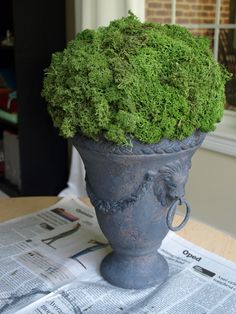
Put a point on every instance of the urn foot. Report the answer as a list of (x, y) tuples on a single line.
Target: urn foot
[(134, 272)]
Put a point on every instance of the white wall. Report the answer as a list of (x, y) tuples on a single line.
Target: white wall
[(211, 189)]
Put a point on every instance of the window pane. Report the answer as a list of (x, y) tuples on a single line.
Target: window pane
[(158, 11), (195, 11), (227, 56), (227, 12)]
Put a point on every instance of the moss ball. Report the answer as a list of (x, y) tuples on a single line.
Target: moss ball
[(135, 80)]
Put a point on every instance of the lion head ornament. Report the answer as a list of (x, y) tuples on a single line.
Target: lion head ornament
[(171, 180)]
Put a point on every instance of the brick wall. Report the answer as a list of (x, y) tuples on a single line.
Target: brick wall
[(187, 12)]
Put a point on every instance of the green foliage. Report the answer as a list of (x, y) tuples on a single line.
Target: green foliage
[(135, 80)]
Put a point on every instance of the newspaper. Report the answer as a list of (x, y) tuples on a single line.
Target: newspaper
[(50, 264)]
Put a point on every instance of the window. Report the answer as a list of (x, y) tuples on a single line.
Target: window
[(215, 19)]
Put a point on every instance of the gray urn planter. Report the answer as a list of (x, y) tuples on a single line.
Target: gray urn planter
[(135, 192)]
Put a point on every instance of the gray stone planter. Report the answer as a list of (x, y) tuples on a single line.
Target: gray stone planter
[(135, 192)]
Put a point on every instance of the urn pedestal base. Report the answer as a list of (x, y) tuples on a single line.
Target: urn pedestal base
[(134, 272)]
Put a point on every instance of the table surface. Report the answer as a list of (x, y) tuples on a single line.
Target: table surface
[(196, 232)]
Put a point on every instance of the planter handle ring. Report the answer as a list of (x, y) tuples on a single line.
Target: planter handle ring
[(172, 211)]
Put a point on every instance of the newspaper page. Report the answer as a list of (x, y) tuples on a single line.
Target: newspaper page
[(38, 252), (65, 264), (199, 282)]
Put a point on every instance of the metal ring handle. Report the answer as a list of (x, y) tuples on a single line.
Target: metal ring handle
[(172, 211)]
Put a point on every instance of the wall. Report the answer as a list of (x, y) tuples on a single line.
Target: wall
[(211, 189), (70, 19)]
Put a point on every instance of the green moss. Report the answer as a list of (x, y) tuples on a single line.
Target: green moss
[(135, 80)]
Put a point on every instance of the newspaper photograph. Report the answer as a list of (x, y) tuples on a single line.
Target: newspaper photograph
[(50, 264)]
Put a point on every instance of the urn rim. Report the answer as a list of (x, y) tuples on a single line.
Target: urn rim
[(165, 146)]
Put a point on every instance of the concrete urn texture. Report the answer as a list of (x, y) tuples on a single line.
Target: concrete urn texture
[(136, 192)]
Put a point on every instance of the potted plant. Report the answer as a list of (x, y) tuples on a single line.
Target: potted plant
[(137, 100)]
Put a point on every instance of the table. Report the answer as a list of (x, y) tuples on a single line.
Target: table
[(196, 232)]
